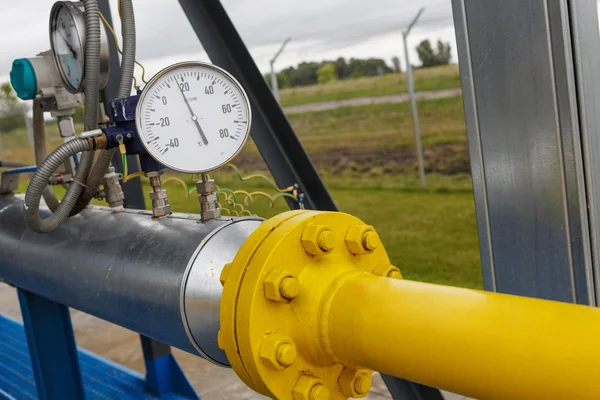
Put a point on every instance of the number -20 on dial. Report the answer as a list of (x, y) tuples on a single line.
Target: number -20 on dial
[(193, 117)]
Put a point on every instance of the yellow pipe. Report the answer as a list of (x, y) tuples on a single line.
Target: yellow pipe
[(479, 344)]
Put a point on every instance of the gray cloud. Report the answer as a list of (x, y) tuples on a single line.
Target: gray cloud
[(319, 28)]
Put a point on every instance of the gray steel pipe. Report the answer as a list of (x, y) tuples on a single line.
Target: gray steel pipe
[(158, 277)]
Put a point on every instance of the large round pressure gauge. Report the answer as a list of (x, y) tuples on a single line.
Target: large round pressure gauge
[(67, 39), (193, 117)]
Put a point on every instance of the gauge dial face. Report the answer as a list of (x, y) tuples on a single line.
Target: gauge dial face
[(67, 46), (193, 117)]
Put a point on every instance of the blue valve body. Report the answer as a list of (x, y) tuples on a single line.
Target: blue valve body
[(122, 120)]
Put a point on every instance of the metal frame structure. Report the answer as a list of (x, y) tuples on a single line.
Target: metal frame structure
[(531, 99)]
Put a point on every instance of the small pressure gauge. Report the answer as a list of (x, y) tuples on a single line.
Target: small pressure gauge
[(193, 117), (67, 38)]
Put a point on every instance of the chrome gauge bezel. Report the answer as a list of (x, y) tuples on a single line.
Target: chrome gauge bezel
[(76, 10)]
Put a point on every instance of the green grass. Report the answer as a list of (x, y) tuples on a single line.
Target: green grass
[(435, 78), (381, 125)]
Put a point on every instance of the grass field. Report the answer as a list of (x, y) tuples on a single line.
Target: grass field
[(366, 157), (435, 78)]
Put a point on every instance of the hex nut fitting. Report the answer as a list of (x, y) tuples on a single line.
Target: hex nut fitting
[(318, 239), (355, 383), (388, 271), (281, 285), (362, 239), (309, 387), (278, 351)]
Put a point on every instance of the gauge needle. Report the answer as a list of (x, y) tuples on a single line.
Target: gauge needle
[(194, 118), (68, 45)]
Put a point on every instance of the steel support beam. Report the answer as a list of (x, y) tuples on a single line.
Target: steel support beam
[(533, 139), (134, 197), (280, 148), (52, 348), (163, 373)]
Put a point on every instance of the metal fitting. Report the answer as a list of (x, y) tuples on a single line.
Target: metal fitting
[(309, 387), (318, 239), (160, 202), (362, 239), (113, 191), (206, 187), (388, 271), (160, 195), (207, 196), (278, 351), (66, 128), (355, 383), (281, 286)]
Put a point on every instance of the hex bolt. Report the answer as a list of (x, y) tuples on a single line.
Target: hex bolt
[(289, 288), (355, 383), (278, 351), (362, 239), (318, 239), (309, 387), (286, 354), (370, 240), (327, 240), (387, 270), (362, 384), (319, 392)]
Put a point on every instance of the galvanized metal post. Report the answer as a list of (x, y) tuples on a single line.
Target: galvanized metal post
[(531, 95), (274, 83), (413, 101)]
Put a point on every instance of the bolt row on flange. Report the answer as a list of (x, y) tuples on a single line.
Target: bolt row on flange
[(275, 303)]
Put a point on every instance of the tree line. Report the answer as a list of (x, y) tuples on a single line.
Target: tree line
[(312, 73)]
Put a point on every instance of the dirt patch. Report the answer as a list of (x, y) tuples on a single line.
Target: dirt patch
[(445, 159)]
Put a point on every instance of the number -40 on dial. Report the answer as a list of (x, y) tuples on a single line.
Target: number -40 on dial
[(193, 117)]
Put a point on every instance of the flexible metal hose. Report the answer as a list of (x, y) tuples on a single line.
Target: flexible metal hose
[(39, 142), (127, 68), (40, 180)]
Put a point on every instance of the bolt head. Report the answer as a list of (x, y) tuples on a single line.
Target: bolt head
[(318, 239), (371, 240), (362, 239), (286, 354), (309, 387), (355, 382), (278, 290), (278, 351), (289, 288), (388, 271), (319, 392)]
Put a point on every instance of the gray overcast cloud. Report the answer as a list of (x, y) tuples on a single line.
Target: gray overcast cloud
[(319, 29)]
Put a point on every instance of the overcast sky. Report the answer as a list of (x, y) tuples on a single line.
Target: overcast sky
[(320, 29)]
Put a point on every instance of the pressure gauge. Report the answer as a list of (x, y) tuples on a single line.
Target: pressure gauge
[(193, 117), (67, 38)]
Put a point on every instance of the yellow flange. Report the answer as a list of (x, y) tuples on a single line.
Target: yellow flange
[(276, 299)]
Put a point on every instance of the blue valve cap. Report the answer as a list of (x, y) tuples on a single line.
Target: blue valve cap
[(23, 80)]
